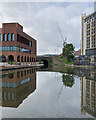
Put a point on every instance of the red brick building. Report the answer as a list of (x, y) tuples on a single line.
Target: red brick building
[(16, 45)]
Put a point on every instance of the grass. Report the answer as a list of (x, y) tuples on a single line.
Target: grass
[(12, 63), (65, 60), (68, 70), (52, 64)]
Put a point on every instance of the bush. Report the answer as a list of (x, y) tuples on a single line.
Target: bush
[(12, 63)]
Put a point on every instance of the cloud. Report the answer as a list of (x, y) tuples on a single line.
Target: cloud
[(41, 21), (47, 0)]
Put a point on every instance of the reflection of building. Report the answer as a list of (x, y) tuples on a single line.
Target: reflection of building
[(88, 33), (16, 86), (88, 96), (16, 45), (87, 73)]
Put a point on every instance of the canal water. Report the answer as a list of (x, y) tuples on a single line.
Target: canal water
[(29, 93)]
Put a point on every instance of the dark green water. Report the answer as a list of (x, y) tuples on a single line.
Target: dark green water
[(40, 94)]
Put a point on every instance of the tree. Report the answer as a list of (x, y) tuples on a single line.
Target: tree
[(68, 52)]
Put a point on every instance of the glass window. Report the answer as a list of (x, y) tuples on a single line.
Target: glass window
[(14, 48), (0, 96), (8, 48), (9, 37), (11, 48), (5, 98), (8, 96), (30, 43), (3, 48), (0, 37), (13, 37), (0, 48), (5, 37), (13, 98)]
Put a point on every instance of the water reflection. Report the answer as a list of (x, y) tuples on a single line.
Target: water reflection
[(68, 80), (71, 102), (88, 90), (16, 86), (88, 96)]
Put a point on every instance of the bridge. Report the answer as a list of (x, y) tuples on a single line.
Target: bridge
[(45, 59)]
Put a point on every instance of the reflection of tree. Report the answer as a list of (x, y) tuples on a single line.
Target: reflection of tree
[(70, 70), (68, 80)]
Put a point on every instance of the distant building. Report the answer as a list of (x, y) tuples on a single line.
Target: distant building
[(16, 45), (77, 53), (88, 33)]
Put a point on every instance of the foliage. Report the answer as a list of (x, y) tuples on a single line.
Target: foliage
[(68, 52), (65, 60), (68, 80), (41, 62), (11, 63)]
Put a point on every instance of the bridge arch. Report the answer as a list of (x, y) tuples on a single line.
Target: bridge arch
[(45, 62)]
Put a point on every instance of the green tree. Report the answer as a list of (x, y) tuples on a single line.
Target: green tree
[(68, 52)]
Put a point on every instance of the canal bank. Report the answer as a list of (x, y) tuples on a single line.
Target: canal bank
[(13, 67), (58, 64), (52, 63)]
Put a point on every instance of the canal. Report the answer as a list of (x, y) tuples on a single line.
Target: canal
[(30, 93)]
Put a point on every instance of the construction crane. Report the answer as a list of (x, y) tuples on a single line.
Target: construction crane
[(64, 43), (64, 40)]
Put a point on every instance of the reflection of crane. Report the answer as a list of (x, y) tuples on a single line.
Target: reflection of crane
[(60, 90), (64, 40)]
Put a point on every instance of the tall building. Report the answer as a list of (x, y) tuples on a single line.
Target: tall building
[(16, 45), (83, 34), (88, 33)]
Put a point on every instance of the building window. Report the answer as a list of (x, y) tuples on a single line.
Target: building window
[(5, 96), (88, 42), (88, 26), (88, 32), (30, 43), (5, 37), (8, 96), (13, 96), (23, 40), (0, 37), (9, 37), (93, 41), (13, 37), (93, 24), (93, 31), (32, 59)]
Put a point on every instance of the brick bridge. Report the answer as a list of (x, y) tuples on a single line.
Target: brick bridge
[(46, 60)]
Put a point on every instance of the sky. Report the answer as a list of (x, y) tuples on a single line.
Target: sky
[(42, 19)]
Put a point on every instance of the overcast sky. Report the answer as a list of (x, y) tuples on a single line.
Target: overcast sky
[(41, 21)]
